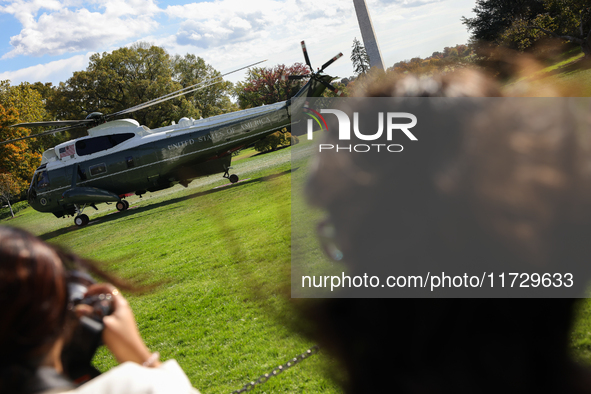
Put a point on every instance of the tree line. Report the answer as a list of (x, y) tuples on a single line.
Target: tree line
[(439, 61), (520, 24)]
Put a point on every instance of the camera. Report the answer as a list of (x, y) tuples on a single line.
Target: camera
[(78, 283), (86, 337)]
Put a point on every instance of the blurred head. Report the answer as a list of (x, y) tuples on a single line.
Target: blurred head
[(501, 183), (33, 298), (506, 187)]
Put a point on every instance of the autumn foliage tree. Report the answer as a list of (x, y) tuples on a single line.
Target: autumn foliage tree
[(25, 99), (268, 85), (29, 106), (451, 58), (16, 158)]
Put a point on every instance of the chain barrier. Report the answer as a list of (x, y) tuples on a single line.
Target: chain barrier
[(277, 370)]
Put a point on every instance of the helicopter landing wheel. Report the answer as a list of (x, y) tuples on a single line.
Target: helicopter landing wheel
[(126, 204), (81, 220), (233, 178), (122, 205)]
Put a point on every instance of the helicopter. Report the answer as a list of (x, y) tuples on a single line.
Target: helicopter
[(120, 157)]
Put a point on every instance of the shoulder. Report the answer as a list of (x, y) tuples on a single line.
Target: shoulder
[(131, 378)]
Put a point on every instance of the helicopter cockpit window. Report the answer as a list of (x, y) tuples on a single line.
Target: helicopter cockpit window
[(42, 180), (89, 146)]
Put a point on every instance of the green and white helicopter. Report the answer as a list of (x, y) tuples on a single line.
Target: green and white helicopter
[(120, 157)]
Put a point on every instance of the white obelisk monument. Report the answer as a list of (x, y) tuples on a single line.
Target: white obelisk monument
[(369, 38)]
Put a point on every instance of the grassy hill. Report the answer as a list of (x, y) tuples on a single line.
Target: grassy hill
[(570, 73)]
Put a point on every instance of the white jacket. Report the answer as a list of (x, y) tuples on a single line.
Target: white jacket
[(132, 378)]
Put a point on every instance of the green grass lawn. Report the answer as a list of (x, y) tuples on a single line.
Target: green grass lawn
[(221, 257), (571, 72)]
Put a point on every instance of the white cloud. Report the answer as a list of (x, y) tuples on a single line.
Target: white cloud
[(117, 8), (58, 70), (231, 33), (60, 30), (409, 3), (227, 22)]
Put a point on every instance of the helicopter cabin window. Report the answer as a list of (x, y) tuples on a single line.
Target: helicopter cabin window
[(42, 179), (98, 169), (89, 146)]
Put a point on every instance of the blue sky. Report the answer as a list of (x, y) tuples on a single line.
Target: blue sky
[(47, 40)]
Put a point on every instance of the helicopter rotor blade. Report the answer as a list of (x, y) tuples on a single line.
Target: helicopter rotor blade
[(180, 92), (331, 88), (53, 123), (147, 105), (331, 61), (306, 56), (76, 126)]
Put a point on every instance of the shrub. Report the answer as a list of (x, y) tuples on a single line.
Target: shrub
[(272, 141), (16, 207)]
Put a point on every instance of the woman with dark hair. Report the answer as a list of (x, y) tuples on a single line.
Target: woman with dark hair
[(37, 320), (510, 187)]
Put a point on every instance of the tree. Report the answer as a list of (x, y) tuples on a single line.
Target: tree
[(25, 99), (359, 58), (29, 105), (8, 189), (17, 158), (46, 90), (493, 17), (519, 24), (269, 85), (271, 142), (211, 100), (568, 20), (440, 61), (120, 80)]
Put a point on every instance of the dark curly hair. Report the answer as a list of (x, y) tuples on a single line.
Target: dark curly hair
[(33, 304)]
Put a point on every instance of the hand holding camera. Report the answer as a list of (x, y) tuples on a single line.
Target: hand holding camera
[(104, 317), (120, 333)]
